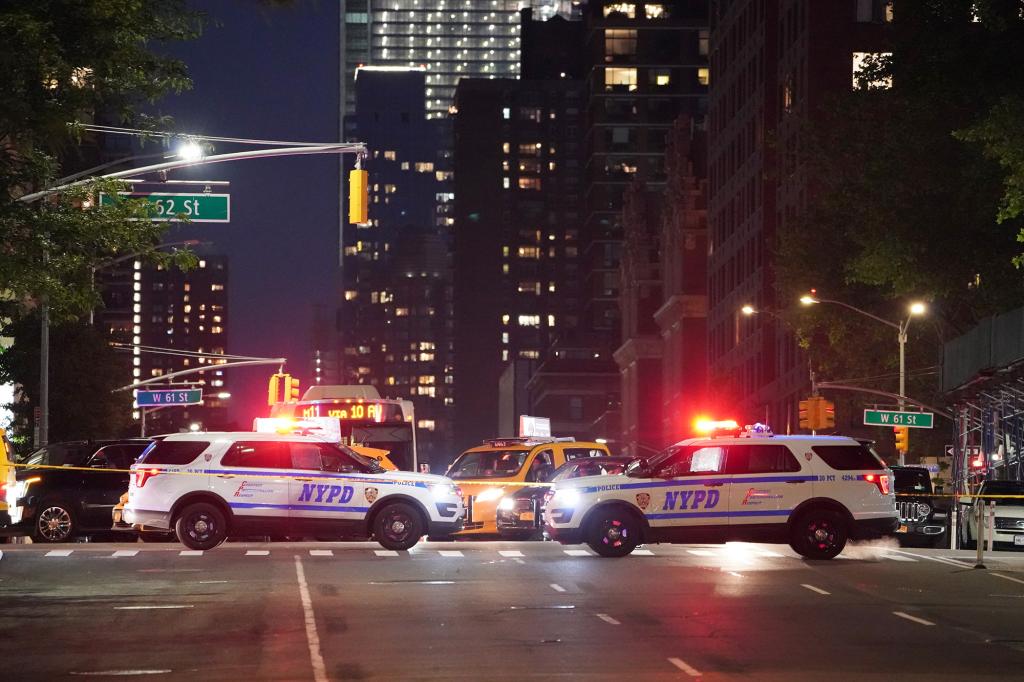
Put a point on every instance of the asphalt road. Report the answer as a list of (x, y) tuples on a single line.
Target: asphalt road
[(505, 611)]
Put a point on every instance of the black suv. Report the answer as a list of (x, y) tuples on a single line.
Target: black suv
[(55, 505), (923, 517)]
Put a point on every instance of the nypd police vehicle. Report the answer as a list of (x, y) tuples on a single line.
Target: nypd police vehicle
[(814, 492), (208, 486)]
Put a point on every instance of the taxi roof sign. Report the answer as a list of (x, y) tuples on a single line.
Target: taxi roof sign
[(534, 427)]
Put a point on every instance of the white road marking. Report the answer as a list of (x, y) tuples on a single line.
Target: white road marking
[(812, 588), (312, 638), (915, 619), (642, 552), (897, 557), (700, 552), (118, 673), (557, 588), (321, 552), (685, 667), (59, 552), (941, 559), (212, 582), (385, 552), (191, 552), (450, 552), (577, 552), (148, 607), (510, 552), (1006, 577), (608, 619), (125, 552), (257, 552)]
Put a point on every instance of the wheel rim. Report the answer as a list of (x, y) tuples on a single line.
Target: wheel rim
[(398, 525), (54, 523), (616, 533), (201, 526), (822, 535)]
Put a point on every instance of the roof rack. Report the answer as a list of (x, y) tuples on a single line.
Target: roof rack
[(526, 440)]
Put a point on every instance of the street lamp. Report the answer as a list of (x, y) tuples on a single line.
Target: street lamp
[(915, 308), (190, 150)]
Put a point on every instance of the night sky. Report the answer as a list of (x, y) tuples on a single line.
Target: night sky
[(269, 73)]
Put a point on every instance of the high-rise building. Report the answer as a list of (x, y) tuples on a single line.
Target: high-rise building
[(450, 39), (394, 320), (518, 184), (773, 64), (154, 307)]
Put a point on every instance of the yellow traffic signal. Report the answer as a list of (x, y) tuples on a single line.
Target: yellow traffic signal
[(291, 389), (358, 196), (806, 413), (274, 389), (827, 414), (902, 434), (817, 413)]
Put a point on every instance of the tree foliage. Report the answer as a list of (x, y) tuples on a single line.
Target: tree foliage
[(918, 192), (67, 61)]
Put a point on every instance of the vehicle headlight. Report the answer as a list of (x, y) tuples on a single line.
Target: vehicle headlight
[(442, 490), (507, 504), (565, 497), (490, 494)]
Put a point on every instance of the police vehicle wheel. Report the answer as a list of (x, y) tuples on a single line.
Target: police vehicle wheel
[(398, 526), (55, 522), (819, 534), (201, 526), (613, 533)]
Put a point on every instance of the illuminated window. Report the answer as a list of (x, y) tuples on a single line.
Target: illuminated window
[(529, 354), (530, 114), (506, 113), (504, 268), (531, 149), (529, 320), (619, 42), (617, 77), (505, 147), (656, 11), (216, 287), (214, 329), (351, 295), (401, 312), (528, 252), (529, 287), (424, 167), (390, 189), (551, 320), (506, 183), (529, 183), (863, 63), (660, 77), (389, 155), (529, 166), (504, 355), (627, 8), (425, 380), (505, 318), (703, 75), (405, 165), (425, 424)]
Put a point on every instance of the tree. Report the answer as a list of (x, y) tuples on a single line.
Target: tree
[(914, 193), (84, 373), (67, 61)]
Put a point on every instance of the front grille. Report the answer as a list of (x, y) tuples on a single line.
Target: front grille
[(1009, 523), (913, 512)]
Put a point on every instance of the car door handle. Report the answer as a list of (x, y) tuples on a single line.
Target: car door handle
[(713, 485), (303, 479), (225, 475), (797, 481)]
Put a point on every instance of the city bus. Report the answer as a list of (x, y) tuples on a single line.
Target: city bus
[(362, 418)]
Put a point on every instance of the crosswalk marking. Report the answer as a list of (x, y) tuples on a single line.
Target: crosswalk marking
[(191, 552), (510, 553), (642, 552), (125, 552), (257, 552), (450, 552), (385, 552), (577, 552), (321, 552), (60, 552)]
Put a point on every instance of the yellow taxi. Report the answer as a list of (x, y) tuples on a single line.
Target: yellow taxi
[(501, 466), (7, 477)]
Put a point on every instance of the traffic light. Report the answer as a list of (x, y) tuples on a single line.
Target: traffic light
[(827, 414), (291, 389), (274, 389), (806, 413), (358, 196), (902, 434), (817, 413)]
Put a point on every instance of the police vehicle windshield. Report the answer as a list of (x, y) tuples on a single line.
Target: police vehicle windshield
[(372, 464), (642, 466), (488, 464)]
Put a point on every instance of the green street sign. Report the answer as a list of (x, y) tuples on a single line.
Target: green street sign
[(171, 207), (188, 396), (913, 420)]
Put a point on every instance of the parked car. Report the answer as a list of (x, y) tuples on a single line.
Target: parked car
[(56, 505), (520, 512), (1009, 521), (924, 518)]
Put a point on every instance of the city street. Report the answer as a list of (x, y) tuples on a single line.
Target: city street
[(495, 610)]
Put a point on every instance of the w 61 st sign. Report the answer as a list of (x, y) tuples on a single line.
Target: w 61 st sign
[(190, 396), (913, 420)]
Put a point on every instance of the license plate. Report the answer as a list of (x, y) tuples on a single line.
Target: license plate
[(1018, 540), (528, 516), (902, 529)]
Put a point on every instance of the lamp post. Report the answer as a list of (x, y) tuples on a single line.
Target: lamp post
[(749, 310), (915, 308)]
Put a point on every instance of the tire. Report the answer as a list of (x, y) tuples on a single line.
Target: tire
[(613, 532), (819, 534), (398, 526), (55, 522), (201, 526)]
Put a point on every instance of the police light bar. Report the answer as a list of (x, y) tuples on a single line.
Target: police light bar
[(758, 429), (715, 427)]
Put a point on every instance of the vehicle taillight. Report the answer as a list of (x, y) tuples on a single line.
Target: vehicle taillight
[(880, 480), (143, 475)]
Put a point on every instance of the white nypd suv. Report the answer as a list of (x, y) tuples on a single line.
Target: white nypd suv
[(814, 492), (208, 486)]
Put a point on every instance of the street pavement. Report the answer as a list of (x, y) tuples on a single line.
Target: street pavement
[(506, 611)]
